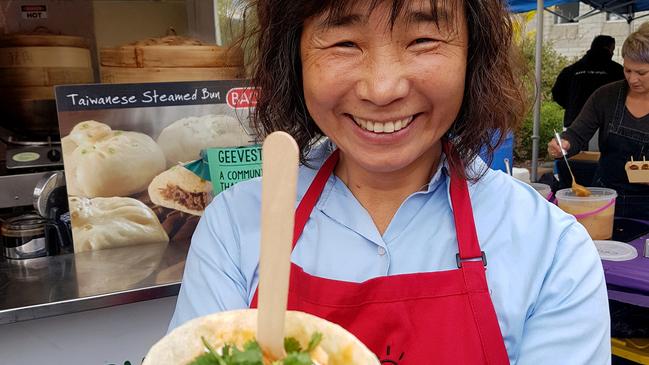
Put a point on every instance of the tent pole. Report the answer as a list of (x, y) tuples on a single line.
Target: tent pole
[(537, 101)]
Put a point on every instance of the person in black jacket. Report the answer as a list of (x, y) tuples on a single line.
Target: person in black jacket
[(620, 111), (577, 82)]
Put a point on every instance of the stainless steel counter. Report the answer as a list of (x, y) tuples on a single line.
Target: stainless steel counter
[(55, 285)]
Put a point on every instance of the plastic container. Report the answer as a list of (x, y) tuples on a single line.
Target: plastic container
[(504, 151), (521, 174), (543, 189), (594, 212)]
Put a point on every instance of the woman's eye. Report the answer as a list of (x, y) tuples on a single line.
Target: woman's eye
[(345, 44), (422, 41)]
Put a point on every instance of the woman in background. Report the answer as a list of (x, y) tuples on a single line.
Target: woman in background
[(620, 111)]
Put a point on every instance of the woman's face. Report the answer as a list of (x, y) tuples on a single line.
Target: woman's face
[(637, 75), (385, 95)]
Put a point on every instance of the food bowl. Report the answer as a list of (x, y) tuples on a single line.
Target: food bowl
[(637, 172), (594, 212)]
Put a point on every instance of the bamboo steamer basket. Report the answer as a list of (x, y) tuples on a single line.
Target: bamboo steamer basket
[(117, 75), (170, 58), (30, 66), (44, 76)]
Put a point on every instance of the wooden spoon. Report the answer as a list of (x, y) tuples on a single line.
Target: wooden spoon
[(579, 190), (279, 187)]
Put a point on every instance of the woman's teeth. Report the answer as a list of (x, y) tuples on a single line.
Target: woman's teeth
[(383, 127)]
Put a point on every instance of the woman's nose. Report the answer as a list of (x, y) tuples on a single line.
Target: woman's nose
[(383, 81)]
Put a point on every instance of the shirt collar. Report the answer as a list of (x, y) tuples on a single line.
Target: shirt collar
[(325, 147)]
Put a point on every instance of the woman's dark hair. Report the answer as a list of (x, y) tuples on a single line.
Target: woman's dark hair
[(494, 100)]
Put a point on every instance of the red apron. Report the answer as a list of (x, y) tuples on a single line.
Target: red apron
[(444, 317)]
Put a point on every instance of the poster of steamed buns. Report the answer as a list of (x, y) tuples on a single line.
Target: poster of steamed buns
[(124, 151)]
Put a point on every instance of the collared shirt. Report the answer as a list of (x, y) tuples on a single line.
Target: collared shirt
[(544, 274)]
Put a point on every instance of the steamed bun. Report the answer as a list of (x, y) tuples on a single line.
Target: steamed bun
[(101, 223), (181, 189), (101, 162), (184, 139)]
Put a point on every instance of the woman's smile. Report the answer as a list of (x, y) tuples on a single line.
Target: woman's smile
[(388, 126)]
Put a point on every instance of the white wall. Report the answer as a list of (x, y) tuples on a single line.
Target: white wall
[(573, 39)]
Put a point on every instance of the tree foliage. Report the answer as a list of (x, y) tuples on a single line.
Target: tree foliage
[(552, 63)]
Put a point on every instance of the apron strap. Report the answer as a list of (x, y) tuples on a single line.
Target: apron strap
[(467, 238), (310, 198), (468, 246)]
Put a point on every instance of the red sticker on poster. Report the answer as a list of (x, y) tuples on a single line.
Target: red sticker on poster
[(242, 97)]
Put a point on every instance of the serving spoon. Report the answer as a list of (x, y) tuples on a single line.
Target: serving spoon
[(278, 194), (579, 190)]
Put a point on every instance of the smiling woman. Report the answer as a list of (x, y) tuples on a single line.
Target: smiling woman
[(438, 37), (397, 218)]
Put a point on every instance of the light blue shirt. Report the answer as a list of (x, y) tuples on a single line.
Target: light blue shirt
[(544, 274)]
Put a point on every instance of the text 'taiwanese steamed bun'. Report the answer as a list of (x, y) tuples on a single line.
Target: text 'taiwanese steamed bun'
[(100, 162), (184, 139), (101, 223)]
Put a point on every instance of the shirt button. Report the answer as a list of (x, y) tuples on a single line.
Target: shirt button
[(381, 251)]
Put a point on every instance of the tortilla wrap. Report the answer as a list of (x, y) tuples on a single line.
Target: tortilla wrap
[(180, 189), (183, 344)]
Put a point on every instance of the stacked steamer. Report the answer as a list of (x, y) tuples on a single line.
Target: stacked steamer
[(170, 58), (30, 65)]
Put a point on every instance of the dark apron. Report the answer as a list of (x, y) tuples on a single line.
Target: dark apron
[(622, 143)]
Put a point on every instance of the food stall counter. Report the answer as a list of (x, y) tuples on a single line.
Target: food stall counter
[(63, 284), (628, 281)]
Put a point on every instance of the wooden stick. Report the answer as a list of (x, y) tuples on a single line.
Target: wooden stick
[(279, 186)]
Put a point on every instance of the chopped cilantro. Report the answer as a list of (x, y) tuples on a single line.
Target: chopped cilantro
[(252, 355), (297, 358), (292, 345), (316, 338)]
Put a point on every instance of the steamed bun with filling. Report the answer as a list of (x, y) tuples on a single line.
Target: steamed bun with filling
[(101, 223), (101, 162), (181, 189), (184, 139)]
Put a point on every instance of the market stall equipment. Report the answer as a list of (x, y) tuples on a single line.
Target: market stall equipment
[(30, 66), (43, 232), (170, 58), (594, 212)]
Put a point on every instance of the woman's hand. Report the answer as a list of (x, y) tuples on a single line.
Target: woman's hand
[(553, 147)]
